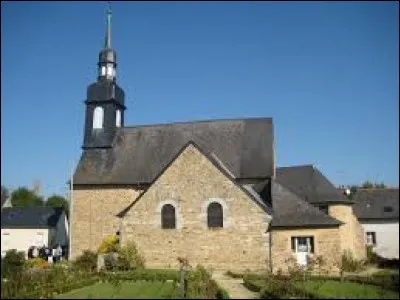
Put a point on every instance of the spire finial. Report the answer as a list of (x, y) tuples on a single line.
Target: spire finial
[(107, 43)]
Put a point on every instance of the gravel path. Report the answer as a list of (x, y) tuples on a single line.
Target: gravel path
[(234, 286)]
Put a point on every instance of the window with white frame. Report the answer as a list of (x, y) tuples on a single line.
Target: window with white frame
[(118, 118), (371, 238), (98, 116), (302, 244)]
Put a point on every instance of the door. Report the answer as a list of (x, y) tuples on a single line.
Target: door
[(302, 250)]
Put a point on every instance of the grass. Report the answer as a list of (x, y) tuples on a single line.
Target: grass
[(126, 290), (335, 289)]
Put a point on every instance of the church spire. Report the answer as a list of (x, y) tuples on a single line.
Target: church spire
[(107, 43), (107, 57)]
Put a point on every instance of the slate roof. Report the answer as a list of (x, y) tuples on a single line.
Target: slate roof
[(219, 165), (310, 184), (140, 153), (375, 203), (30, 217), (289, 210)]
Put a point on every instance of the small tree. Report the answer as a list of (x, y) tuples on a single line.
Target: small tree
[(367, 185), (57, 201), (347, 263), (23, 197)]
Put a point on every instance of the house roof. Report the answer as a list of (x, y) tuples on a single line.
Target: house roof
[(310, 184), (140, 153), (377, 203), (219, 165), (30, 217), (289, 210)]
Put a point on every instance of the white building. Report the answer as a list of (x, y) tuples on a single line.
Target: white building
[(378, 212), (23, 227)]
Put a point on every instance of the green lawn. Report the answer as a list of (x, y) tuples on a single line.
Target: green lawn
[(126, 290), (335, 289)]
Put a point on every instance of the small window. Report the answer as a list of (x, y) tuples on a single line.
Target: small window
[(215, 215), (388, 209), (371, 238), (302, 244), (103, 71), (168, 217), (98, 117), (118, 118)]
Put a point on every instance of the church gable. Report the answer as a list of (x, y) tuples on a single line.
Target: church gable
[(195, 202)]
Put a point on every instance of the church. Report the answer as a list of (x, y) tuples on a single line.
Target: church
[(208, 190)]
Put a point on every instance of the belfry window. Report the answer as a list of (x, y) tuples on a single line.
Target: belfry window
[(215, 215), (98, 115), (118, 118)]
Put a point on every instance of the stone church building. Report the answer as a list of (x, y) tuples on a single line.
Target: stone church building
[(207, 190)]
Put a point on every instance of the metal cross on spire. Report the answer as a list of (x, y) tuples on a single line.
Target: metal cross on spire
[(107, 43)]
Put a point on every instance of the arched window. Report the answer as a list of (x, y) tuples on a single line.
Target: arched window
[(215, 215), (118, 118), (168, 217), (98, 117)]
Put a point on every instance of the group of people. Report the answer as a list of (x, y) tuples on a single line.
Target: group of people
[(52, 255)]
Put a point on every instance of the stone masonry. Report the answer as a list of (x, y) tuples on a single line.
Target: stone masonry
[(190, 183), (93, 215), (351, 232), (327, 243)]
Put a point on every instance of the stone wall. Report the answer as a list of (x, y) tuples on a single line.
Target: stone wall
[(352, 233), (190, 183), (93, 215), (327, 243)]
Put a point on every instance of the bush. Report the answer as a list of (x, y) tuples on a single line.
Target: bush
[(200, 284), (86, 262), (111, 261), (348, 263), (12, 264), (37, 263), (129, 257), (143, 274), (109, 244)]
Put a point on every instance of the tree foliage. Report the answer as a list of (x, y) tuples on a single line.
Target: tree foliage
[(58, 201), (23, 197)]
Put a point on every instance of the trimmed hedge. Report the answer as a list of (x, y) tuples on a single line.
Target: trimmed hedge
[(387, 281), (142, 274)]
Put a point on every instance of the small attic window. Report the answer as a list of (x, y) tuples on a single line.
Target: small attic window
[(388, 209)]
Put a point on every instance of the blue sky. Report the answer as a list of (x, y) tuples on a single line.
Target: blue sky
[(326, 72)]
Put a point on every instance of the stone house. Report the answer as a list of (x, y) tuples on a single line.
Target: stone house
[(208, 190), (378, 212)]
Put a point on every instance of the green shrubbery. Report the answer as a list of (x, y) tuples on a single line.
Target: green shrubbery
[(12, 264), (129, 257), (86, 262)]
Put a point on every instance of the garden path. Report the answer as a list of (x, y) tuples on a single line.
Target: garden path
[(234, 286)]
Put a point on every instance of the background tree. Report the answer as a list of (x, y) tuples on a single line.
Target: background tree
[(380, 185), (58, 201), (367, 185), (4, 194), (24, 197)]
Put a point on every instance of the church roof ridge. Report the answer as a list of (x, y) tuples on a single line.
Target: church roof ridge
[(200, 121)]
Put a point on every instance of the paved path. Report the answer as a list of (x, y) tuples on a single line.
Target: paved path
[(234, 286)]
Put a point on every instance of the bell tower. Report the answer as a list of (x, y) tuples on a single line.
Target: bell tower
[(105, 99)]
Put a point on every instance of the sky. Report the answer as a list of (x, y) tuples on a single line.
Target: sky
[(326, 72)]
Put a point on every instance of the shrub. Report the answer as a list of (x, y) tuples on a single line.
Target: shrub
[(348, 263), (37, 263), (86, 262), (129, 257), (200, 284), (109, 244), (111, 261), (12, 263)]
